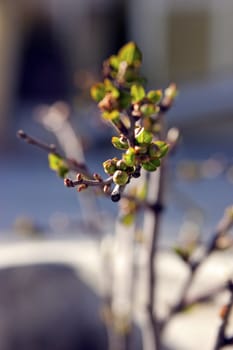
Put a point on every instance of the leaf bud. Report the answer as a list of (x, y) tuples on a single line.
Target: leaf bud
[(120, 177), (79, 177), (121, 165), (68, 182), (97, 177), (109, 166), (81, 187)]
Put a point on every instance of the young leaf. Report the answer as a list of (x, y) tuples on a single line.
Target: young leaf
[(57, 164), (98, 92), (163, 148), (114, 62), (62, 171), (129, 157), (54, 161), (144, 136), (119, 144), (154, 96), (110, 87), (151, 165), (137, 92), (149, 109), (131, 54), (111, 116)]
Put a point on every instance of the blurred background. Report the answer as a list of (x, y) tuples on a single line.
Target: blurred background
[(52, 51)]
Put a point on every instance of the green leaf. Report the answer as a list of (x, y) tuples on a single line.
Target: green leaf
[(110, 87), (57, 164), (163, 148), (119, 143), (54, 161), (151, 165), (144, 136), (137, 92), (111, 116), (131, 54), (154, 96), (148, 109), (129, 157), (98, 92), (114, 62), (62, 171)]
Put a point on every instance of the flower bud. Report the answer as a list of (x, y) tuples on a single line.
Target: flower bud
[(120, 177), (109, 166), (121, 165)]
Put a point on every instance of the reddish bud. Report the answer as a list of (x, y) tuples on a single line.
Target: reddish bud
[(81, 187), (97, 177), (68, 182), (79, 177)]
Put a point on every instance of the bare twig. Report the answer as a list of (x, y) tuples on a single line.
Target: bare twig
[(223, 227), (32, 141), (72, 163)]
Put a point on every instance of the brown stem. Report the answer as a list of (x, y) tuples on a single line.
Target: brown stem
[(152, 255), (32, 141), (88, 182), (72, 164), (224, 225)]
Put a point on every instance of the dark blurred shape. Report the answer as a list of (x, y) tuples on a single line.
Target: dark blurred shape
[(48, 307), (43, 76)]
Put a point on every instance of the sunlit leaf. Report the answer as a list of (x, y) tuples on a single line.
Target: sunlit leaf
[(110, 87), (119, 143), (57, 164), (54, 161), (129, 157), (151, 165), (114, 62), (163, 148), (98, 92), (154, 96), (111, 116), (149, 109), (144, 136), (131, 54), (137, 92)]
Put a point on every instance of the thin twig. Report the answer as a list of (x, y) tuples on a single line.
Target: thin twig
[(224, 225), (33, 141), (88, 182), (71, 163)]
